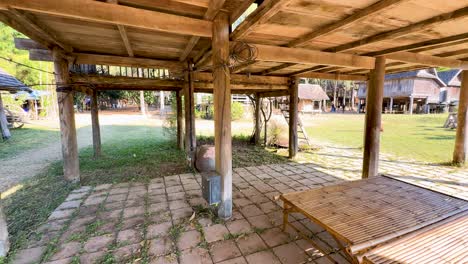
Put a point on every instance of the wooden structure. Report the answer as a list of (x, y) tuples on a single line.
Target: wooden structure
[(409, 92), (280, 41), (389, 210), (311, 98)]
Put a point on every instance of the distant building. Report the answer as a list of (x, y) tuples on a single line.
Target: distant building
[(420, 91), (311, 98), (450, 94)]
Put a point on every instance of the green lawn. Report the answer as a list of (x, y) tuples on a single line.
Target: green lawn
[(418, 137), (28, 137)]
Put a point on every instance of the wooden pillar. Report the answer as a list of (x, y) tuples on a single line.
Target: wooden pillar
[(190, 139), (71, 167), (258, 119), (95, 124), (373, 119), (180, 134), (461, 140), (3, 122), (293, 101), (411, 103), (222, 111)]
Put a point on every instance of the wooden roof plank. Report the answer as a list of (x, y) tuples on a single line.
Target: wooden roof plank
[(429, 60), (354, 18), (115, 14)]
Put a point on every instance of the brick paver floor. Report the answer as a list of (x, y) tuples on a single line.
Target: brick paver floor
[(136, 222)]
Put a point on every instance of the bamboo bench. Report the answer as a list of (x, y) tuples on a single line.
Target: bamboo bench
[(366, 216)]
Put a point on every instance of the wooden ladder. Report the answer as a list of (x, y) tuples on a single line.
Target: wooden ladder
[(301, 132)]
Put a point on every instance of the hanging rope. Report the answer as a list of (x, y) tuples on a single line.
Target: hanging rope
[(24, 65)]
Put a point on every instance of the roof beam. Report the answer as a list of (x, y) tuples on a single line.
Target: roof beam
[(41, 29), (352, 19), (424, 45), (428, 60), (27, 44), (419, 26), (235, 14), (123, 33), (114, 14), (306, 56), (213, 9), (264, 12), (333, 76), (84, 58), (277, 68)]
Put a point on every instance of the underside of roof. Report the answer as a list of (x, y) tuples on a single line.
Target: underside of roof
[(303, 38)]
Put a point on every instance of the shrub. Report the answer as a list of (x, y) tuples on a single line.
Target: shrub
[(237, 110)]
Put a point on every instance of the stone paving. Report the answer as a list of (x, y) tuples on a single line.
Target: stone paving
[(154, 223)]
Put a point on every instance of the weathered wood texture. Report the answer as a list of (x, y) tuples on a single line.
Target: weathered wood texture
[(189, 101), (180, 121), (293, 117), (461, 141), (222, 111), (95, 124), (3, 121), (258, 119), (71, 165), (373, 119)]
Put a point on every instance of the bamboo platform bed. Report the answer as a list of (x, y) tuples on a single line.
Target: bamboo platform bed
[(384, 220)]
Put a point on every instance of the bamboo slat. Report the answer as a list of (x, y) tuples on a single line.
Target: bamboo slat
[(374, 211)]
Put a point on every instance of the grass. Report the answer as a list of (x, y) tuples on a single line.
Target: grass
[(418, 137), (28, 137)]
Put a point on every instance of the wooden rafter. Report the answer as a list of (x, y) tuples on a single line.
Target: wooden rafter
[(428, 60), (235, 14), (116, 14), (333, 76), (352, 19), (213, 9), (264, 12), (41, 29), (277, 68), (392, 34), (123, 33)]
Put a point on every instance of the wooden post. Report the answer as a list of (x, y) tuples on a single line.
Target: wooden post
[(71, 166), (411, 103), (222, 111), (3, 122), (293, 100), (373, 119), (461, 140), (142, 103), (190, 139), (95, 125), (180, 134), (258, 120)]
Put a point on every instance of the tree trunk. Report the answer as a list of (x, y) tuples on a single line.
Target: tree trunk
[(3, 122)]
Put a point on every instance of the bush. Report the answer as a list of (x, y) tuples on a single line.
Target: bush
[(237, 111)]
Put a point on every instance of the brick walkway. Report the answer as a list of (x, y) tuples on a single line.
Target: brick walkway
[(130, 222), (127, 223)]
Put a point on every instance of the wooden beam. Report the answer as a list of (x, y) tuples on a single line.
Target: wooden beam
[(424, 45), (373, 119), (246, 79), (236, 13), (399, 32), (262, 14), (126, 41), (71, 165), (180, 118), (189, 100), (293, 117), (333, 76), (274, 93), (95, 124), (84, 58), (40, 28), (341, 24), (277, 68), (27, 44), (460, 153), (306, 56), (213, 9), (124, 81), (40, 55), (95, 11), (222, 112), (428, 60)]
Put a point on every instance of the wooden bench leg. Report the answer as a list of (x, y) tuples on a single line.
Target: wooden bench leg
[(285, 216)]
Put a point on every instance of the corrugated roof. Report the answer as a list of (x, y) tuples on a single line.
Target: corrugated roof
[(10, 83), (415, 74), (448, 77), (312, 92)]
